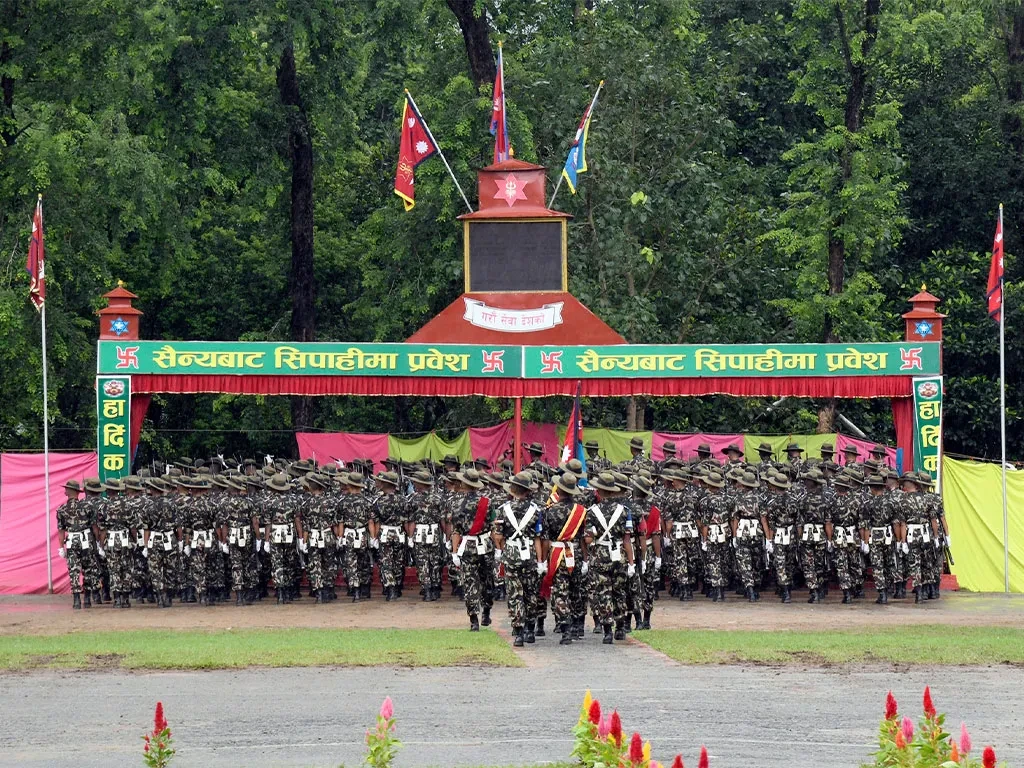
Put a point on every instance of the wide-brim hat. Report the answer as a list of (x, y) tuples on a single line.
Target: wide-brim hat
[(636, 442), (450, 458), (827, 449), (911, 477), (704, 448), (714, 479), (926, 479), (73, 485), (605, 481), (93, 485), (878, 451), (749, 479), (842, 482), (219, 480), (813, 476), (668, 447), (732, 448), (390, 478), (779, 481), (794, 448), (523, 480), (642, 485), (279, 482), (537, 448), (391, 461), (567, 482), (157, 484), (851, 449), (254, 481), (765, 448), (591, 445), (421, 478), (322, 481), (876, 481), (481, 462), (469, 477), (354, 479)]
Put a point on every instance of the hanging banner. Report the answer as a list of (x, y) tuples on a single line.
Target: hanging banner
[(309, 359), (512, 320), (928, 424), (113, 419), (732, 360)]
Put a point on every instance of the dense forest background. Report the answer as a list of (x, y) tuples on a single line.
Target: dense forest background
[(761, 170)]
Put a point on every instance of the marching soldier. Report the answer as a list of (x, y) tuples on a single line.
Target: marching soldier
[(734, 459), (638, 460), (596, 464), (781, 518), (878, 536), (713, 516), (766, 464), (163, 535), (423, 530), (680, 524), (471, 543), (74, 531), (319, 527), (388, 531), (795, 459), (851, 457), (116, 524), (242, 521), (283, 533), (648, 536), (517, 524), (917, 543), (811, 526), (747, 535), (893, 499), (565, 552), (201, 541), (940, 530), (609, 527), (842, 519), (356, 515)]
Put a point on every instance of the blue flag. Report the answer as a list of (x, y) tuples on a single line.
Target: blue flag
[(576, 163)]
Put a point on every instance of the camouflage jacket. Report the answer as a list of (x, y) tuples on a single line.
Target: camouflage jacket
[(520, 509), (845, 510), (391, 509), (425, 508), (714, 509), (746, 505), (464, 514), (617, 530), (357, 511), (814, 508), (75, 515)]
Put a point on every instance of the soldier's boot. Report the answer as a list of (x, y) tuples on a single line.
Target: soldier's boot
[(597, 627), (319, 597), (847, 597), (125, 601), (97, 597), (688, 593), (935, 592), (517, 637), (474, 623), (106, 593), (86, 602), (487, 617), (540, 628), (356, 593), (750, 594), (883, 598), (608, 639), (647, 620), (917, 594), (901, 591), (76, 601), (280, 596), (673, 590), (566, 635), (757, 595), (238, 598), (387, 594), (528, 634), (721, 594), (815, 597), (786, 596), (637, 620), (365, 591), (580, 627), (714, 595), (858, 591), (620, 631)]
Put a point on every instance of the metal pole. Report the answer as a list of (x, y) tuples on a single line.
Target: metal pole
[(1002, 420), (555, 193), (46, 460), (517, 452), (439, 152), (590, 109)]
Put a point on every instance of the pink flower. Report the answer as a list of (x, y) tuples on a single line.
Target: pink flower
[(387, 709), (605, 727), (908, 729), (595, 712), (929, 707), (890, 706), (703, 762), (988, 758), (965, 740)]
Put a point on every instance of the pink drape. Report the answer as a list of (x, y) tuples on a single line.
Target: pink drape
[(326, 447), (903, 421), (686, 445), (140, 404), (862, 446), (492, 442), (23, 542)]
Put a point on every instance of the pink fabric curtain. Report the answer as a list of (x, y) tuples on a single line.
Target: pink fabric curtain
[(686, 445), (341, 446), (23, 544), (492, 442), (863, 446), (140, 404)]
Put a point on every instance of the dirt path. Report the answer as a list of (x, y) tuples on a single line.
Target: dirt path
[(53, 614)]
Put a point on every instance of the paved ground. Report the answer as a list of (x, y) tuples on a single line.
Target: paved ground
[(53, 614), (748, 717)]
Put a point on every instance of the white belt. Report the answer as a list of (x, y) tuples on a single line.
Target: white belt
[(426, 533), (78, 539), (283, 533), (747, 528), (140, 538), (783, 535), (883, 534), (318, 537), (239, 535), (716, 534), (569, 559), (164, 538), (844, 534), (918, 533), (482, 544), (355, 538), (684, 530), (118, 539), (204, 538), (614, 548), (520, 545), (392, 533), (813, 532)]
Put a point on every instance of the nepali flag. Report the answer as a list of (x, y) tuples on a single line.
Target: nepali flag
[(499, 125), (995, 273), (34, 264), (417, 145), (574, 435)]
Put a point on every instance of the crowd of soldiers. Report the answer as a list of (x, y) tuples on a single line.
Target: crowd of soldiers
[(572, 539)]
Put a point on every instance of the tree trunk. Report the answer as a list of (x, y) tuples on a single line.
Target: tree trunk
[(300, 150), (477, 34), (635, 413), (8, 127), (1015, 82)]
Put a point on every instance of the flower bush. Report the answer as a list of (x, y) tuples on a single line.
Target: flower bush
[(901, 745), (156, 749), (381, 743)]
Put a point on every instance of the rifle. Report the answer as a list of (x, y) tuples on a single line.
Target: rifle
[(948, 553)]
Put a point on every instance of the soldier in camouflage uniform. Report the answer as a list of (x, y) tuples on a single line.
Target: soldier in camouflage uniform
[(795, 459), (74, 531), (241, 519), (748, 535), (517, 524), (940, 529), (162, 532), (201, 540), (596, 464), (94, 499), (765, 465), (494, 487), (609, 527), (714, 515), (471, 545), (564, 572), (918, 540), (680, 524), (877, 532), (813, 543), (423, 530), (116, 523), (647, 534), (388, 532), (734, 460), (851, 458), (842, 527), (356, 515), (894, 499), (284, 530), (638, 460), (781, 516), (319, 528)]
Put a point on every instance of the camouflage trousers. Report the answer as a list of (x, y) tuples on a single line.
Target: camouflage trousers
[(203, 565), (647, 580), (749, 561), (83, 569), (611, 587), (784, 561), (899, 573), (428, 559), (243, 567), (477, 581), (140, 570), (322, 564), (883, 565), (716, 564), (813, 564), (284, 564), (917, 561), (392, 563), (356, 563), (684, 562), (849, 566), (522, 584), (163, 565), (567, 591), (932, 568), (121, 569)]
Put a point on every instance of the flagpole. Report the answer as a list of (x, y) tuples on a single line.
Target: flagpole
[(46, 447), (590, 110), (1002, 416), (443, 158)]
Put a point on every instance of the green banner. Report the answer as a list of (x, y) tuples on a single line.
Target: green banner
[(310, 359), (719, 360), (113, 432), (430, 446), (928, 424)]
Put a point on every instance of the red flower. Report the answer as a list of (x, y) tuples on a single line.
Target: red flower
[(636, 749), (615, 727), (890, 706), (594, 715), (678, 762), (159, 723), (703, 762), (929, 708), (988, 758)]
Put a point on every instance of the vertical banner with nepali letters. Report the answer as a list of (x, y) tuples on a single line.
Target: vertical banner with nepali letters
[(928, 425), (113, 444)]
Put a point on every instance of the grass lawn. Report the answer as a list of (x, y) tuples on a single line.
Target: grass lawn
[(925, 644), (150, 649)]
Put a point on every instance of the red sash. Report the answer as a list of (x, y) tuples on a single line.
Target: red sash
[(481, 517), (569, 532), (652, 525)]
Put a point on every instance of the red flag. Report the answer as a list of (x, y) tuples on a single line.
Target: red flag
[(995, 273), (499, 125), (34, 263), (417, 145)]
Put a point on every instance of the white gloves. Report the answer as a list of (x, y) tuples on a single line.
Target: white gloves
[(631, 570), (769, 546), (62, 553), (542, 567), (665, 541), (224, 547), (99, 550), (864, 547), (949, 542), (188, 550), (657, 564), (937, 543), (374, 543), (302, 545), (149, 542), (256, 546), (145, 551), (456, 560), (733, 542), (498, 555), (905, 547), (409, 542), (829, 546), (181, 546), (340, 542), (703, 545), (448, 544)]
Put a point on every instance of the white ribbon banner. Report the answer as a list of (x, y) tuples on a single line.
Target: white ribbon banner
[(512, 320)]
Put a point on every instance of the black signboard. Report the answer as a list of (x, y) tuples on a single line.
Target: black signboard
[(515, 256)]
